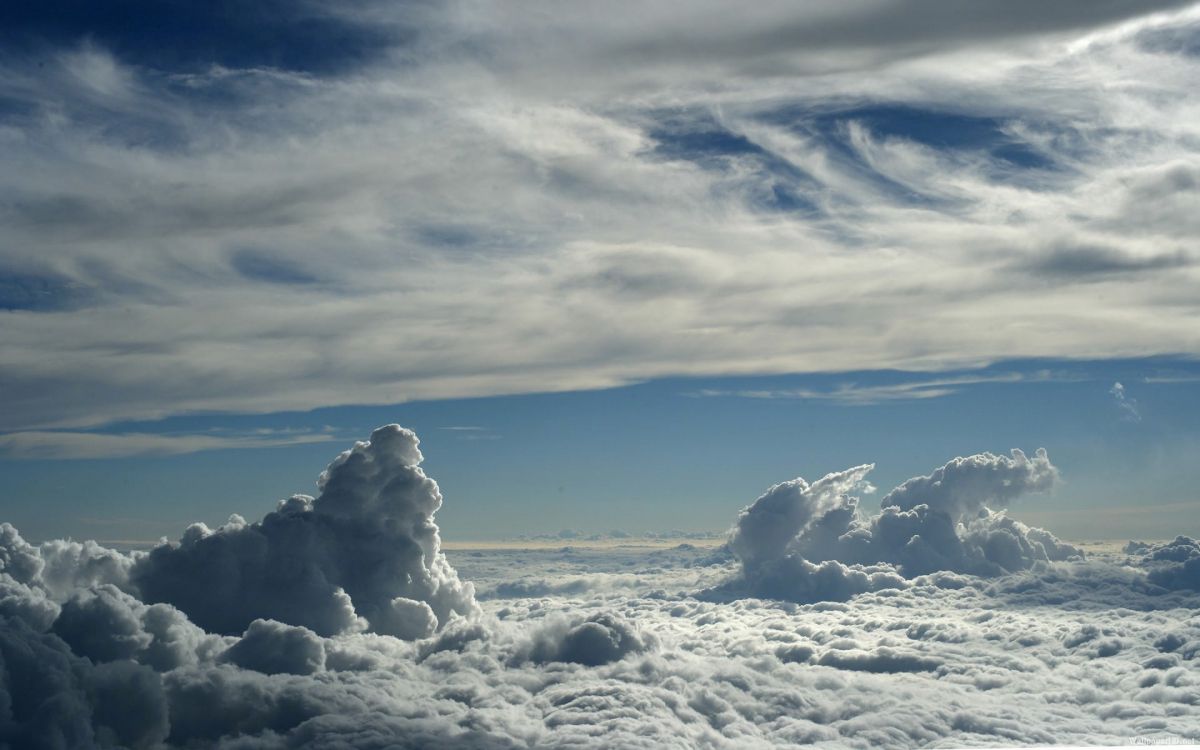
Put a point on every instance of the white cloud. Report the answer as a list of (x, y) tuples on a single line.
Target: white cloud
[(36, 444), (1127, 405), (965, 487), (853, 394), (802, 542), (1063, 653), (766, 527), (364, 554), (1172, 565), (497, 208)]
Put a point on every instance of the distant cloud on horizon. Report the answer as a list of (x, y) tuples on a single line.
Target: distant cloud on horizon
[(97, 445), (854, 394), (1127, 405)]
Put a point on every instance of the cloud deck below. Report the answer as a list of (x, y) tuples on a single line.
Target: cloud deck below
[(612, 645)]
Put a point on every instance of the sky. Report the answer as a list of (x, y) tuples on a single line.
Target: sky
[(667, 455), (395, 373), (618, 266)]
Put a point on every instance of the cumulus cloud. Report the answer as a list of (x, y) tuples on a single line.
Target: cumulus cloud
[(1172, 565), (765, 528), (599, 639), (35, 580), (607, 646), (940, 522), (965, 486), (53, 698), (273, 647), (946, 521), (764, 537), (87, 634), (881, 660), (102, 625), (365, 553), (793, 578), (68, 566)]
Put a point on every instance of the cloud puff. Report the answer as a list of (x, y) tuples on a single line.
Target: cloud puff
[(766, 528), (34, 581), (600, 639), (945, 521), (89, 656), (106, 624), (365, 553), (963, 487), (795, 579), (765, 535), (273, 647), (942, 521), (1172, 565), (881, 660), (51, 697)]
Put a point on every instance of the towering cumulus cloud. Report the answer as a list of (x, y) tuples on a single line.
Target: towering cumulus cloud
[(766, 527), (946, 521), (364, 555), (943, 521), (764, 540), (965, 487), (104, 649)]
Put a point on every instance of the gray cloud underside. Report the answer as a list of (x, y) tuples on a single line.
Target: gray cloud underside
[(531, 201)]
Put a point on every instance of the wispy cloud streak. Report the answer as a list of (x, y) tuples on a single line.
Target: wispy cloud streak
[(1127, 405), (48, 444)]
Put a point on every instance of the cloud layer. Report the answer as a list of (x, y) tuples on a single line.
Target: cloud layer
[(816, 187), (621, 645)]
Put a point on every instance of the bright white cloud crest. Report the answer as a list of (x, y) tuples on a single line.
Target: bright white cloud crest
[(258, 642)]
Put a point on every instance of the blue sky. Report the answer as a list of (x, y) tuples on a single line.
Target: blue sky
[(660, 258), (679, 453)]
